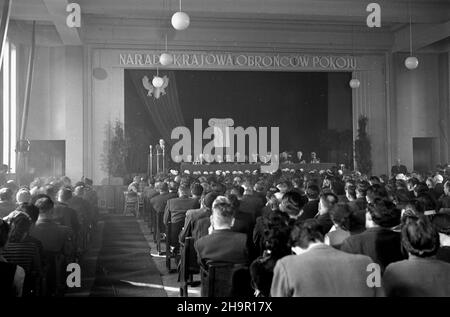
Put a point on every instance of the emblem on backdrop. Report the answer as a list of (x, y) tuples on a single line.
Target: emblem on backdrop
[(155, 91)]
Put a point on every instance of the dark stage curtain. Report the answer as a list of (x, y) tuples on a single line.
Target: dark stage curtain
[(165, 112)]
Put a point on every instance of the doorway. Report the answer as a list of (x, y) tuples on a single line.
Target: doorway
[(423, 154)]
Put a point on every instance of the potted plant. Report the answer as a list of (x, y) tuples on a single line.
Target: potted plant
[(363, 148), (115, 150)]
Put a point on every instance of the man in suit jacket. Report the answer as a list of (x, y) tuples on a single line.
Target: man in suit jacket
[(312, 206), (327, 201), (54, 237), (63, 214), (158, 203), (422, 274), (378, 241), (175, 211), (249, 202), (191, 228), (222, 244), (319, 270)]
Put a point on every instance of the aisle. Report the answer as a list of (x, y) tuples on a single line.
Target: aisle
[(124, 265)]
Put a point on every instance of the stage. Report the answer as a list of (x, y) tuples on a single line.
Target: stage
[(189, 168)]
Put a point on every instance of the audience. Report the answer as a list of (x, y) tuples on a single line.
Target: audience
[(6, 202), (23, 251), (222, 244), (318, 269), (299, 234), (441, 223), (421, 274), (12, 276), (379, 242)]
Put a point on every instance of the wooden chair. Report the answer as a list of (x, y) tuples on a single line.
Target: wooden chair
[(131, 204), (140, 206), (188, 266), (158, 232), (225, 280), (170, 250)]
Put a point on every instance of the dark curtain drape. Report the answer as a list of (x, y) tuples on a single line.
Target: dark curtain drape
[(165, 112)]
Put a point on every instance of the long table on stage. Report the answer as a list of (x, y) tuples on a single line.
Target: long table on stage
[(251, 167)]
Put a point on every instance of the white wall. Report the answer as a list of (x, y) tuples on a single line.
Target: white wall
[(56, 102), (417, 103)]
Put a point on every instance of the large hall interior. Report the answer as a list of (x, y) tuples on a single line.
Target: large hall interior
[(243, 149)]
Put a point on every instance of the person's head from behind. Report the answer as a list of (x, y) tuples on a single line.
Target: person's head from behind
[(438, 179), (305, 234), (382, 213), (430, 182), (427, 202), (6, 194), (196, 190), (45, 206), (184, 191), (411, 183), (361, 189), (283, 187), (447, 188), (173, 186), (312, 192), (20, 228), (375, 191), (327, 201), (79, 191), (64, 195), (208, 200), (340, 215), (222, 213), (350, 192), (420, 188), (218, 188), (238, 191), (234, 201), (374, 180), (419, 237), (66, 181), (260, 187), (441, 223), (50, 191), (163, 187), (4, 234), (292, 203), (23, 197)]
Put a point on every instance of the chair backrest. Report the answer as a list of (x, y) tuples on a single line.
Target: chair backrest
[(225, 280), (189, 263)]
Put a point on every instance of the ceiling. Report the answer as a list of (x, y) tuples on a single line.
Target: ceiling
[(427, 14)]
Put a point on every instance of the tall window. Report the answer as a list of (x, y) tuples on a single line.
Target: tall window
[(9, 70)]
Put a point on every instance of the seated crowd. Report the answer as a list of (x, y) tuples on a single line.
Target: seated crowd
[(312, 234), (43, 228)]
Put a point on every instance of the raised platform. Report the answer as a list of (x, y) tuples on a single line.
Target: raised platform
[(242, 167)]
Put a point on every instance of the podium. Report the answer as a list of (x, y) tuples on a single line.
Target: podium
[(157, 162)]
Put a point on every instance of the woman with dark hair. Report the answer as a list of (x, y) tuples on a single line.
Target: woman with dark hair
[(23, 251), (422, 274), (341, 216), (11, 275), (275, 246)]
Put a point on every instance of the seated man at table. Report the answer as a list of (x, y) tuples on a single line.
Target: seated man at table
[(314, 158), (300, 159), (222, 244)]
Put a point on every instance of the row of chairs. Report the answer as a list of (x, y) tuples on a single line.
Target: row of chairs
[(217, 279), (134, 204)]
